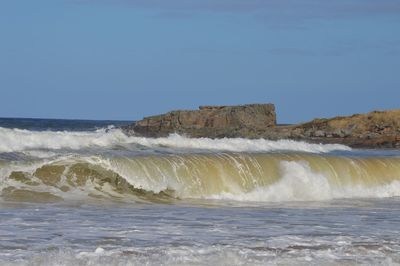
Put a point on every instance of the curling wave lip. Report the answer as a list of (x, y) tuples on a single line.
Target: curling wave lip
[(248, 177)]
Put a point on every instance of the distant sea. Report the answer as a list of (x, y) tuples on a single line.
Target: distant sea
[(81, 192)]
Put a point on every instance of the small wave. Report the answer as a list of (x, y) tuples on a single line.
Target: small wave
[(18, 140)]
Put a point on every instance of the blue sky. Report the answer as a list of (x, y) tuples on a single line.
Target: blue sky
[(125, 59)]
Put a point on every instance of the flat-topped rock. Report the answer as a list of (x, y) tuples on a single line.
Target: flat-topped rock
[(209, 121)]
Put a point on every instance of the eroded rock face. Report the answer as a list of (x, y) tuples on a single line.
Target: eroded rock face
[(209, 121)]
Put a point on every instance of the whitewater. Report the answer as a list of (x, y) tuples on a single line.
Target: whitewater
[(84, 193), (14, 140)]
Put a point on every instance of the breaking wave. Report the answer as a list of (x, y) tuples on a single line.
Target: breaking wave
[(227, 176), (18, 140)]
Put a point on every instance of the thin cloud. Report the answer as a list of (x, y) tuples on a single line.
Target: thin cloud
[(291, 51), (284, 14), (279, 14), (296, 8)]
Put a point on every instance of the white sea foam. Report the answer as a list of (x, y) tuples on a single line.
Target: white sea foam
[(295, 252), (238, 144), (18, 140)]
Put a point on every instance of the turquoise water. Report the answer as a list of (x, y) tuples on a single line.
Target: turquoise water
[(82, 193)]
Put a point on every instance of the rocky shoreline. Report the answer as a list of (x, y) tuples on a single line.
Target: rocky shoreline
[(377, 129)]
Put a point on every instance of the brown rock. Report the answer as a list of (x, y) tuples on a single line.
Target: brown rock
[(209, 121)]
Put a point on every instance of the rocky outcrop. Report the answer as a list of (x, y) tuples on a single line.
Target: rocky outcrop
[(378, 129), (209, 121), (374, 129)]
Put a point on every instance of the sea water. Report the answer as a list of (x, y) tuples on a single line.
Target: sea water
[(83, 193)]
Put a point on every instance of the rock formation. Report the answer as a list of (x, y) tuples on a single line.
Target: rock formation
[(378, 129), (209, 121), (374, 129)]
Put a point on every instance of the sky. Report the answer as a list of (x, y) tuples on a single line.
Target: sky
[(126, 59)]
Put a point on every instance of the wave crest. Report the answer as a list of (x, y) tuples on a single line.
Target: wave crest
[(229, 176)]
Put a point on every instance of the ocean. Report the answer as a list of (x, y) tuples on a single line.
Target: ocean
[(76, 192)]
